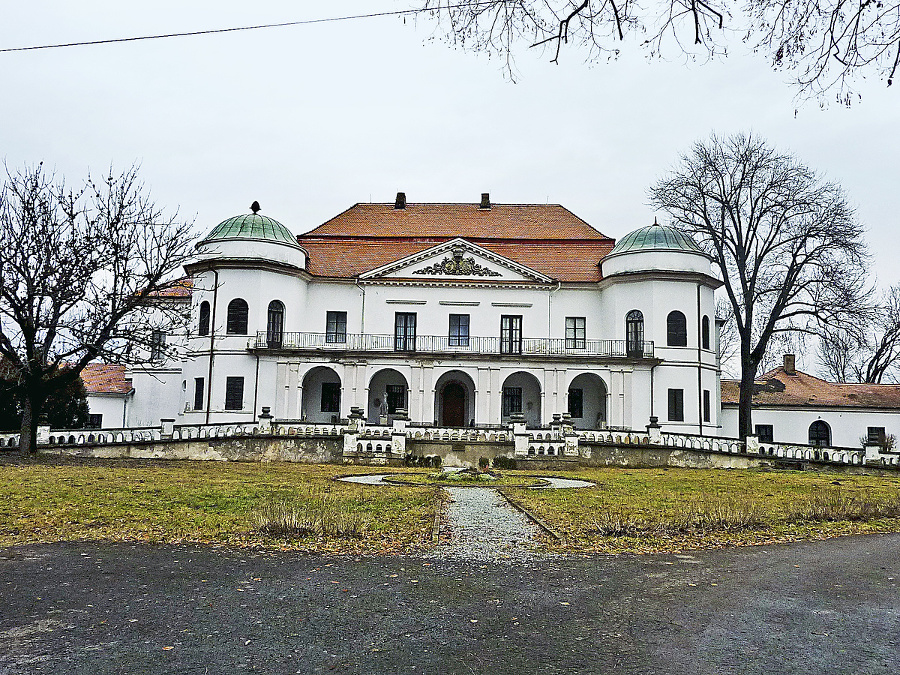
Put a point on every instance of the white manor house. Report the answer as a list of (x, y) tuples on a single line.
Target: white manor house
[(454, 315)]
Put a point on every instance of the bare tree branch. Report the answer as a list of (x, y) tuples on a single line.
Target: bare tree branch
[(825, 45), (785, 242), (84, 275)]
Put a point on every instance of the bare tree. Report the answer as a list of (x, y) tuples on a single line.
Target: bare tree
[(868, 349), (83, 275), (785, 242), (822, 43)]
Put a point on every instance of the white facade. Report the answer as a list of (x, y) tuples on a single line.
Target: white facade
[(455, 334)]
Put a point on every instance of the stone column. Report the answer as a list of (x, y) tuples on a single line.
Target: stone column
[(570, 436), (654, 431), (398, 433), (520, 434), (265, 421)]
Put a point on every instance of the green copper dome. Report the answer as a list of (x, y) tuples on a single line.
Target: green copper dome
[(252, 226), (654, 238)]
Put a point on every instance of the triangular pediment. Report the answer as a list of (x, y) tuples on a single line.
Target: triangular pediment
[(456, 260)]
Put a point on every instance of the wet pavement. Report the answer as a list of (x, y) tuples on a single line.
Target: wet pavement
[(814, 607)]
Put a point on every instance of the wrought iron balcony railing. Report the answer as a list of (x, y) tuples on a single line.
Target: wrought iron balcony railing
[(443, 344)]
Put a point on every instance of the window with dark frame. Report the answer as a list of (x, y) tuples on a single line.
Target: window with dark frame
[(876, 435), (157, 345), (819, 434), (336, 327), (575, 332), (405, 331), (512, 401), (765, 433), (576, 403), (676, 329), (396, 398), (707, 406), (510, 334), (203, 323), (234, 393), (634, 333), (236, 321), (704, 333), (275, 324), (459, 330), (198, 393), (331, 397), (95, 421), (676, 405)]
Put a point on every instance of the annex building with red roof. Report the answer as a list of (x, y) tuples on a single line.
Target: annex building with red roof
[(790, 406), (452, 314)]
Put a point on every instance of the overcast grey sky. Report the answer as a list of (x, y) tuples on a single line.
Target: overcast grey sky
[(312, 119)]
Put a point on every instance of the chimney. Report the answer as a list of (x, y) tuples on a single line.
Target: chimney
[(485, 200), (789, 365), (400, 202)]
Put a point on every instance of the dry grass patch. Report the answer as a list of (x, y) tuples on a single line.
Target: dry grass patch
[(57, 499), (646, 510)]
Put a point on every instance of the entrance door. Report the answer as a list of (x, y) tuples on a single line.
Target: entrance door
[(454, 405)]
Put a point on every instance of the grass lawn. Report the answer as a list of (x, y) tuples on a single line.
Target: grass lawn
[(300, 506), (49, 499), (649, 510)]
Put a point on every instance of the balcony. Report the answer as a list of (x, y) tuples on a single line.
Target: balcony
[(442, 344)]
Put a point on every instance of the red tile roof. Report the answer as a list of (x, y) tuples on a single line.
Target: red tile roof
[(777, 388), (104, 378), (180, 289), (544, 237)]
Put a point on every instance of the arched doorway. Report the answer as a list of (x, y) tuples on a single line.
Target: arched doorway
[(454, 399), (586, 401), (388, 393), (321, 401), (453, 405), (522, 394)]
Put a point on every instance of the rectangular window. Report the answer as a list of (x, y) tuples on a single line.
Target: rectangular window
[(198, 393), (331, 397), (396, 397), (707, 407), (512, 400), (336, 327), (676, 405), (510, 334), (234, 393), (765, 433), (575, 332), (157, 345), (875, 434), (95, 421), (405, 331), (576, 403), (459, 330)]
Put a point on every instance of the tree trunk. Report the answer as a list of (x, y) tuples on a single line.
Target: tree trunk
[(745, 405), (31, 412)]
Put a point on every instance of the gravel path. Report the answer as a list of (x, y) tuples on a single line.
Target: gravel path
[(483, 526)]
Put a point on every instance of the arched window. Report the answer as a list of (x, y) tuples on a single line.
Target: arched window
[(275, 323), (634, 333), (704, 333), (819, 434), (237, 317), (676, 330), (203, 324)]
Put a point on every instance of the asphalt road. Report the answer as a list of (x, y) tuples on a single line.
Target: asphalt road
[(817, 607)]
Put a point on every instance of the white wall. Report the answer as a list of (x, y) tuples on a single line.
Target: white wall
[(848, 426), (112, 407)]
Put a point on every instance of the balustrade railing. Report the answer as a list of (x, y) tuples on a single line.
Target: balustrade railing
[(443, 344)]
